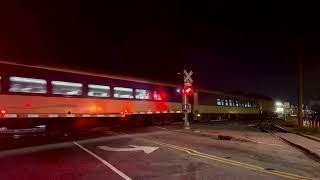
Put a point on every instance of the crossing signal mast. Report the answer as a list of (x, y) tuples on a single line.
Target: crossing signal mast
[(187, 91)]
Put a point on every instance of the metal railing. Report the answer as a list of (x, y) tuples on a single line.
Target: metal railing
[(311, 123)]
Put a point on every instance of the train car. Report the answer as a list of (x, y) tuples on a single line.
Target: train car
[(35, 92), (44, 92), (222, 105)]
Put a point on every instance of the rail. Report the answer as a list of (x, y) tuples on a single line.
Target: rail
[(312, 155)]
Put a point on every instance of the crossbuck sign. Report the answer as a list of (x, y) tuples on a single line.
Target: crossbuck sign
[(187, 78)]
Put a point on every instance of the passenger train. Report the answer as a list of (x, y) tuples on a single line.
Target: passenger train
[(30, 91)]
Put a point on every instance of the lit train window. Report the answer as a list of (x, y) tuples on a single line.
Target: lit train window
[(121, 92), (143, 94), (66, 88), (222, 102), (27, 85), (98, 90), (226, 102), (230, 103), (156, 96), (219, 102)]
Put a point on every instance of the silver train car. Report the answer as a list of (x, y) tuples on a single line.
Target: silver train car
[(40, 92)]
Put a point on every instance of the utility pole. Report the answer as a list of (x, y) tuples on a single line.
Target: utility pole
[(300, 92)]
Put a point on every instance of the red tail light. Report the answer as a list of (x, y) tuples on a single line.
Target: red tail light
[(3, 112)]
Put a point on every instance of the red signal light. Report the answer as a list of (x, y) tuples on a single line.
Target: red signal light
[(187, 90)]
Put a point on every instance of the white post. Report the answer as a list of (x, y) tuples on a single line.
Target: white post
[(185, 107)]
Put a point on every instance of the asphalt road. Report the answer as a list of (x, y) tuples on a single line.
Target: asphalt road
[(167, 152)]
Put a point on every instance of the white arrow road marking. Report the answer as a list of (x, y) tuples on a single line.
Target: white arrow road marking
[(145, 149), (104, 162)]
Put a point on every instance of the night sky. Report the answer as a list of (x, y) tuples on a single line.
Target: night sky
[(232, 46)]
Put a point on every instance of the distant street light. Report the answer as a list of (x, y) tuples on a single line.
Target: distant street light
[(278, 103)]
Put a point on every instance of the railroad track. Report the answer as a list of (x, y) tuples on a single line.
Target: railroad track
[(272, 129), (287, 131)]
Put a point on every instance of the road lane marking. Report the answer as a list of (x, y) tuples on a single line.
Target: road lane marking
[(104, 162), (270, 144), (175, 123), (163, 128), (259, 142), (227, 161)]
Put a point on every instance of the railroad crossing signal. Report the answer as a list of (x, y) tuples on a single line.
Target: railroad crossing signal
[(187, 78), (187, 90)]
